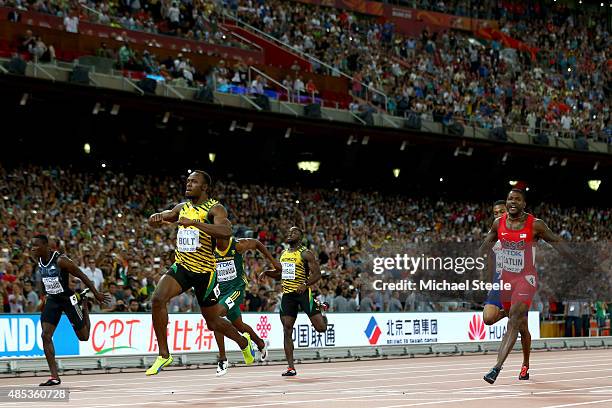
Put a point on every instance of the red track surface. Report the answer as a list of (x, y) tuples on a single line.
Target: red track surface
[(558, 379)]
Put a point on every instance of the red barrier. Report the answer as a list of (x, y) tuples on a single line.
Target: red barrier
[(275, 55), (507, 41), (404, 16), (137, 37)]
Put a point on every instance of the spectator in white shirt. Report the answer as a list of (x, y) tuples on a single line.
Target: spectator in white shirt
[(257, 86), (174, 16), (71, 23), (16, 300), (298, 85), (94, 274), (531, 121), (566, 123)]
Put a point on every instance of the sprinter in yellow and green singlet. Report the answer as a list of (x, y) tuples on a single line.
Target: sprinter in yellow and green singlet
[(233, 281), (201, 221), (300, 270)]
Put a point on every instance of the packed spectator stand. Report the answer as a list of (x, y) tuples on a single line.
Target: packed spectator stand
[(558, 84)]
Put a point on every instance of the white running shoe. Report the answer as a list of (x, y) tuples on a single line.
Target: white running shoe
[(222, 368), (264, 352)]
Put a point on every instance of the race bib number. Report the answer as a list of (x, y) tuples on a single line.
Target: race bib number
[(187, 240), (217, 291), (73, 300), (52, 285), (288, 270), (514, 260), (226, 271)]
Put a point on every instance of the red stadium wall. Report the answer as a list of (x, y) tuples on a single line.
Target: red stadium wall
[(274, 55), (69, 46), (405, 18), (101, 33)]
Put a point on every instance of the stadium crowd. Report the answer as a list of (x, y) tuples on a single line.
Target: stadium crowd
[(99, 220), (191, 20), (561, 88)]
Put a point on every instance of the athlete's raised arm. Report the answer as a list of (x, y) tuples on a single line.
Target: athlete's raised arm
[(542, 231), (168, 216), (221, 227), (246, 244)]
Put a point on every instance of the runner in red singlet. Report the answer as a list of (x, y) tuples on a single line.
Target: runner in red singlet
[(518, 232)]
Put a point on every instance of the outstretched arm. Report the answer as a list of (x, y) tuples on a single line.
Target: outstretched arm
[(246, 244), (543, 232), (273, 273), (220, 229), (67, 264), (168, 216)]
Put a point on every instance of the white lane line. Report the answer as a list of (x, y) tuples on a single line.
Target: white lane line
[(575, 404), (282, 388), (525, 394), (406, 366), (180, 374), (310, 400), (384, 366)]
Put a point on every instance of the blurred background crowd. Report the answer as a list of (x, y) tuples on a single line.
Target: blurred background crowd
[(99, 220)]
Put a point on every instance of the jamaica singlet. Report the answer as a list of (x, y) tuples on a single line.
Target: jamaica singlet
[(194, 248), (295, 270)]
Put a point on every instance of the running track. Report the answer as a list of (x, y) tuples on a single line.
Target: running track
[(558, 379)]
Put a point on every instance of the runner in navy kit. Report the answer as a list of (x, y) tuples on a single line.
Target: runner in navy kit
[(55, 268), (518, 231)]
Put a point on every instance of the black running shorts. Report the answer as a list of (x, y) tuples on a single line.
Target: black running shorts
[(55, 305), (292, 302)]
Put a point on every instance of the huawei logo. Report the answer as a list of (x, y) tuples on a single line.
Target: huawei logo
[(477, 328)]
